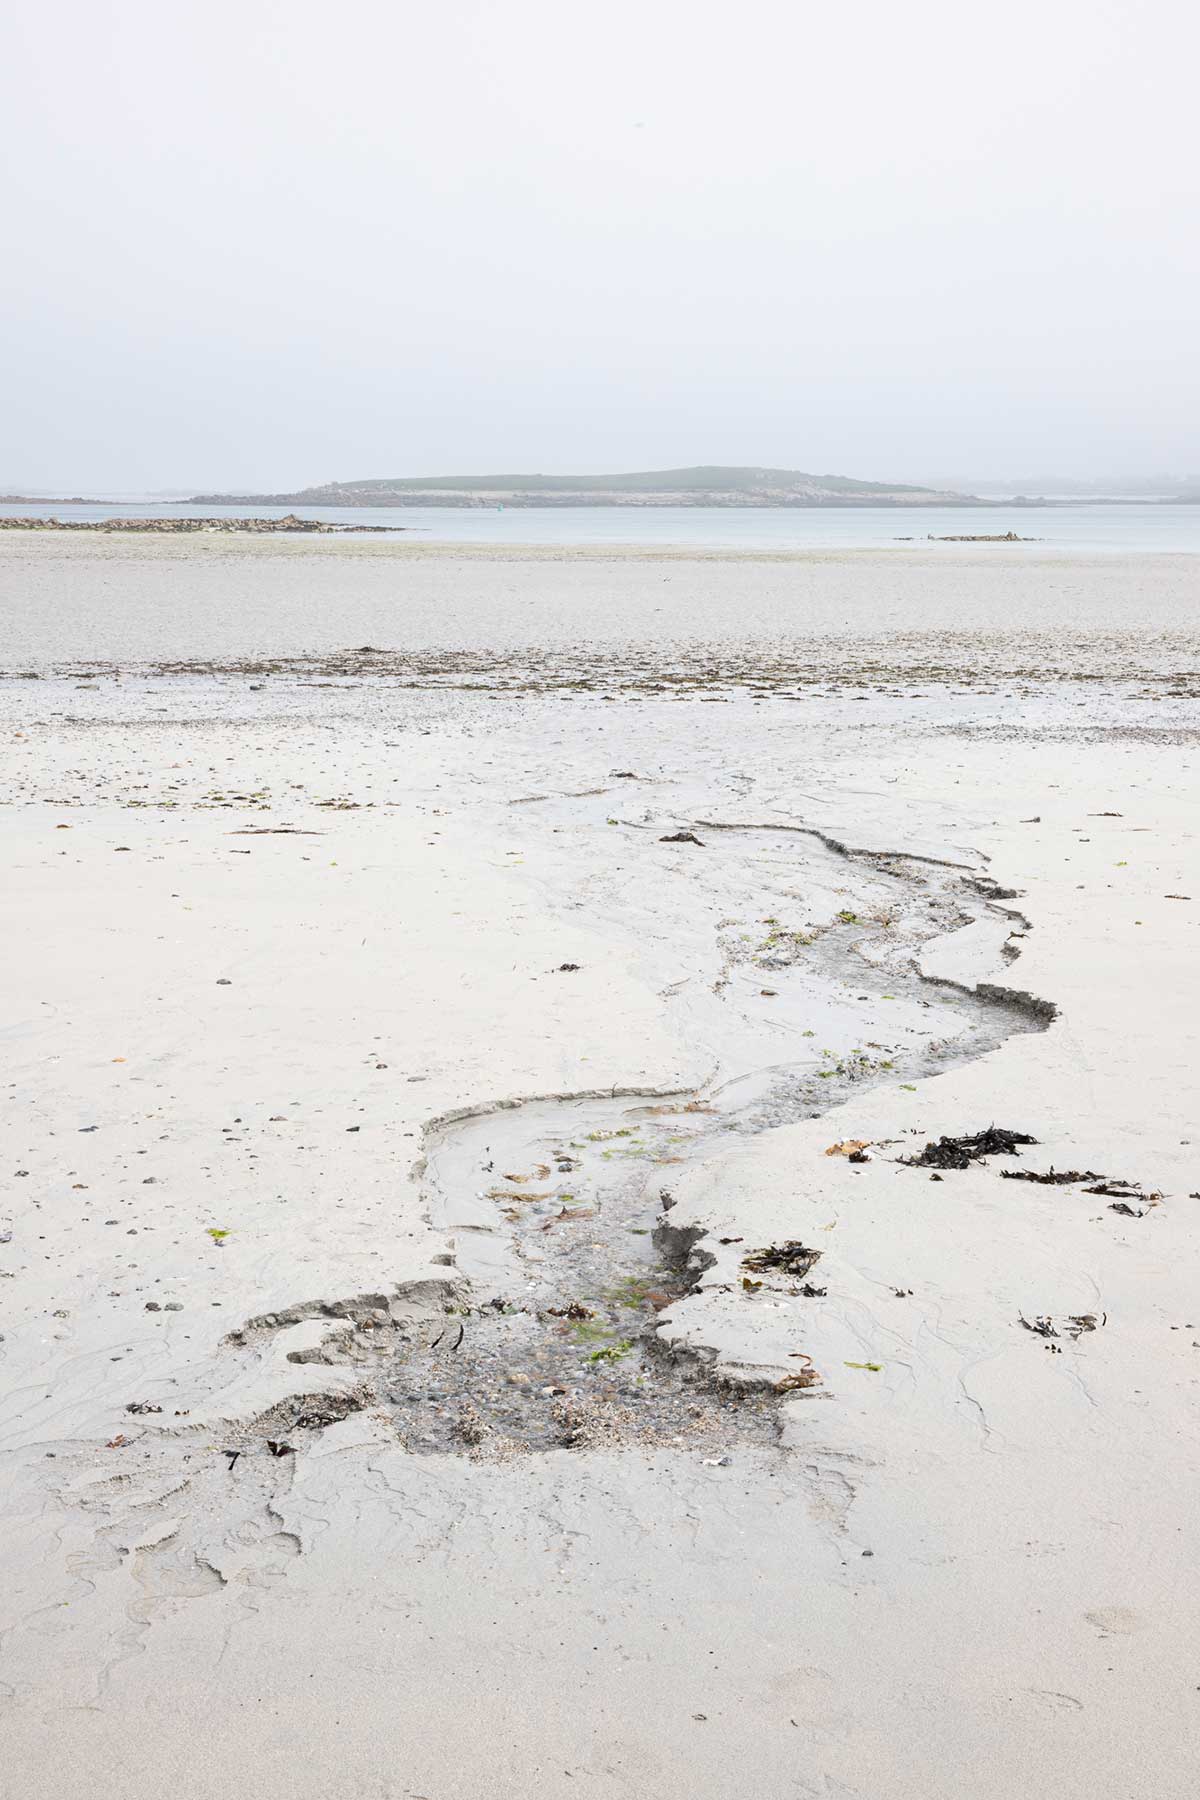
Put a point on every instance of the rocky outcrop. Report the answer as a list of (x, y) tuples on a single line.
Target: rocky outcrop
[(289, 523)]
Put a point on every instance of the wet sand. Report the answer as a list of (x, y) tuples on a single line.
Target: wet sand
[(341, 908)]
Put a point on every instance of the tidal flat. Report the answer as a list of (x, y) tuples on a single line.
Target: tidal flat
[(475, 1316)]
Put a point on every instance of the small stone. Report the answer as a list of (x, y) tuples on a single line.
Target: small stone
[(173, 1306), (223, 981), (153, 1306), (515, 1378)]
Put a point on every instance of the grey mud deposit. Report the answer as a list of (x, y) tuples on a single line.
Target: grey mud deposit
[(558, 1208)]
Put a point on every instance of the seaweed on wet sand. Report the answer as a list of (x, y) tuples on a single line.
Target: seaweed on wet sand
[(799, 1378), (788, 1258), (1073, 1326), (1123, 1190), (1053, 1177), (961, 1152)]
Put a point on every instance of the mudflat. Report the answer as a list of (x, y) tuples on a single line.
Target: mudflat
[(479, 1312)]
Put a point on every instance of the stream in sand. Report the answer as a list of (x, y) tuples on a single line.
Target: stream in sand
[(796, 979), (558, 1207)]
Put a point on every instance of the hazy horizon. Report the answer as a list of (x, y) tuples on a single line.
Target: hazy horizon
[(255, 248), (1162, 483)]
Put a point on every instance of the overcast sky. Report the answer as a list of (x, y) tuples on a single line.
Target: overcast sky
[(270, 242)]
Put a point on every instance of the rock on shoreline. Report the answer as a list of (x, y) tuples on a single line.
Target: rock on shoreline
[(289, 523)]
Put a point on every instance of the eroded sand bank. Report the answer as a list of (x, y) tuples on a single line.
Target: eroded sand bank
[(282, 941)]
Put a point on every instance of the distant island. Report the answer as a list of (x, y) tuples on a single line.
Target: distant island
[(704, 486)]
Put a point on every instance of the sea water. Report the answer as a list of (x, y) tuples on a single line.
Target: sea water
[(1072, 526)]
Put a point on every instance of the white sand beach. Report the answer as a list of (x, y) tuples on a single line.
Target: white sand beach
[(362, 1017)]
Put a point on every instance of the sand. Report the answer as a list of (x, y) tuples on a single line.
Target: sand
[(283, 947)]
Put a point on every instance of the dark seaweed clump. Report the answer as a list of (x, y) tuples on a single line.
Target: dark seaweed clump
[(790, 1258), (961, 1152), (1054, 1177)]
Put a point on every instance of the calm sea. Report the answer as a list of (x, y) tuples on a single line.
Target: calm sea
[(1084, 526)]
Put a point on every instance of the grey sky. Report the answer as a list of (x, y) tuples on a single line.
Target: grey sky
[(277, 241)]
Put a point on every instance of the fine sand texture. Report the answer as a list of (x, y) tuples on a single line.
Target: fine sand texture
[(477, 1313)]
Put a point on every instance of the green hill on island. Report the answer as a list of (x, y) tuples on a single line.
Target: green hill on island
[(706, 485)]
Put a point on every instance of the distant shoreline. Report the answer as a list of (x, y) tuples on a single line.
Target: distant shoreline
[(553, 503), (256, 527), (570, 502)]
